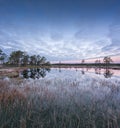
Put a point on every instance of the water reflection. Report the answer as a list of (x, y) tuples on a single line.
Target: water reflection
[(108, 73), (35, 73), (59, 69), (98, 71), (82, 71)]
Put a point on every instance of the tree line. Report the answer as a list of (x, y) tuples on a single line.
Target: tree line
[(20, 58), (106, 60)]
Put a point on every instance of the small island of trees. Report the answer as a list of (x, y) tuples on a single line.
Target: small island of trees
[(20, 58)]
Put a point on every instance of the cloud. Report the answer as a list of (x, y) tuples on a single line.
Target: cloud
[(84, 42), (56, 36), (57, 48), (114, 36), (91, 31)]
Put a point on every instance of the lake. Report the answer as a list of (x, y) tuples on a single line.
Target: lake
[(37, 73)]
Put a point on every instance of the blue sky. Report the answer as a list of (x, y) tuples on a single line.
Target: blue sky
[(61, 29)]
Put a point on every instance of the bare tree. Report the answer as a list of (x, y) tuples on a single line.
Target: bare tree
[(83, 61), (107, 60)]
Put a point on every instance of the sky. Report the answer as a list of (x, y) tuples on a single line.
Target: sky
[(61, 30)]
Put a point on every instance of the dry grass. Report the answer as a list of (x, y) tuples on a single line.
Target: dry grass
[(60, 103)]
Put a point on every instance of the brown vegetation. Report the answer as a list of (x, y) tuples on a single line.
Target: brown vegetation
[(60, 103)]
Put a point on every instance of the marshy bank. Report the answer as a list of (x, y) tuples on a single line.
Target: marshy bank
[(13, 72)]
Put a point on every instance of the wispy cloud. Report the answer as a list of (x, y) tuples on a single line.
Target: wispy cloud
[(114, 36), (83, 42)]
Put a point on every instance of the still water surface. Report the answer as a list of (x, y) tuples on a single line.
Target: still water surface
[(37, 73)]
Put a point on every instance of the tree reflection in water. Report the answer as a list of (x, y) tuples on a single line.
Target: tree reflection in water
[(108, 73), (35, 73), (82, 71), (59, 69), (98, 71)]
